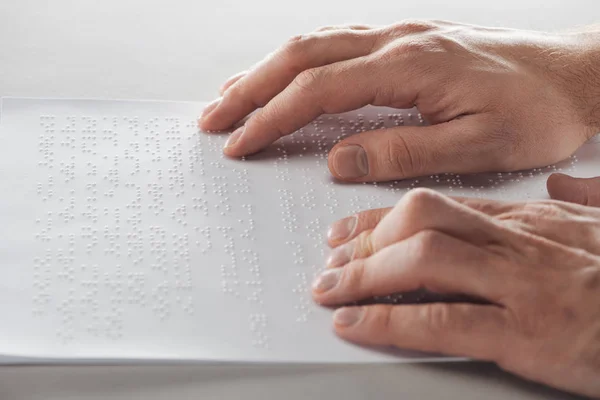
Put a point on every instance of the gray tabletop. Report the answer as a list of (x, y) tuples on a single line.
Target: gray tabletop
[(183, 50)]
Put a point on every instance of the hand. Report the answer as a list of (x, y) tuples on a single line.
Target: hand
[(535, 265), (498, 99)]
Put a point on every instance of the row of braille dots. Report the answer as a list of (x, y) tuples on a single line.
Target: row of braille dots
[(255, 284), (181, 248), (67, 311), (297, 252), (45, 145), (250, 230), (258, 325), (196, 157), (213, 144), (180, 215), (304, 306), (47, 121), (66, 266), (282, 173), (43, 275), (135, 239), (308, 199), (40, 302), (201, 205), (157, 240), (155, 191), (229, 272), (204, 243), (243, 184), (68, 170), (42, 272), (49, 193), (281, 148), (135, 204), (137, 168), (90, 233), (161, 296), (113, 174), (289, 216), (111, 235), (110, 325), (176, 182), (314, 231), (87, 135), (313, 140), (221, 189), (44, 234), (332, 203)]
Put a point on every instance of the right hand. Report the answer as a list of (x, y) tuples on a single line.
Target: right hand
[(497, 99)]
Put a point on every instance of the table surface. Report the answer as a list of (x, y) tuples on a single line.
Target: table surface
[(183, 50)]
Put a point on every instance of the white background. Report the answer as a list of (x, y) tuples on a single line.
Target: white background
[(183, 50)]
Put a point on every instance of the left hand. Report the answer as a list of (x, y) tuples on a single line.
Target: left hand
[(535, 264)]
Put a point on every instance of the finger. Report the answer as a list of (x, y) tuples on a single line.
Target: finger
[(469, 330), (336, 88), (407, 152), (232, 81), (276, 72), (359, 247), (346, 229), (420, 210), (428, 260), (426, 209), (574, 190)]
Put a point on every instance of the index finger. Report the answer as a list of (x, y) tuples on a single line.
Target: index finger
[(273, 74)]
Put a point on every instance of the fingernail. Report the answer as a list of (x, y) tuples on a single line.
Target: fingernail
[(341, 255), (347, 316), (343, 228), (351, 162), (327, 280), (209, 108), (234, 137)]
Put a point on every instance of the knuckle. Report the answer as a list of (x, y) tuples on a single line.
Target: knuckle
[(240, 91), (410, 26), (364, 245), (419, 201), (405, 50), (437, 41), (309, 80), (404, 160), (269, 117), (382, 317), (437, 318), (353, 276), (296, 43), (425, 244), (294, 51)]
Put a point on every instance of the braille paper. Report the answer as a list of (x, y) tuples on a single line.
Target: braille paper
[(126, 235)]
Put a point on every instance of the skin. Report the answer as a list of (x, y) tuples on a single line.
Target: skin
[(495, 100), (536, 266)]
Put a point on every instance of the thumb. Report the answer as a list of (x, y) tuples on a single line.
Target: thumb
[(574, 190)]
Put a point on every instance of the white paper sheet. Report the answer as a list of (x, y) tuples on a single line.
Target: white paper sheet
[(126, 235)]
